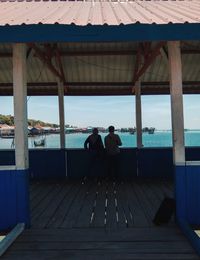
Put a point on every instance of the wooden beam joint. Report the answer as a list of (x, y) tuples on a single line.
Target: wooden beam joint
[(46, 58), (149, 58)]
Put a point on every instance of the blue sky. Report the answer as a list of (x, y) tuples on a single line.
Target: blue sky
[(103, 111)]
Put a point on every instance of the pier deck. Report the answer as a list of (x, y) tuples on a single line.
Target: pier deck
[(99, 220)]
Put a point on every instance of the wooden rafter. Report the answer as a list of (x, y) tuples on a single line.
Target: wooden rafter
[(28, 52), (164, 55), (46, 59), (60, 65), (146, 49), (49, 50), (103, 53), (148, 61), (137, 66), (118, 88)]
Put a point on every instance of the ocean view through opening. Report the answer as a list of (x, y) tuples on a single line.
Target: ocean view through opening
[(81, 112), (158, 139)]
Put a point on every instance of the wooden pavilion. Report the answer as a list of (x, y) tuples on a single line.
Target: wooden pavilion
[(99, 48)]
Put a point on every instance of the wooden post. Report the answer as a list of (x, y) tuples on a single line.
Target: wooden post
[(20, 105), (61, 113), (175, 72), (138, 111)]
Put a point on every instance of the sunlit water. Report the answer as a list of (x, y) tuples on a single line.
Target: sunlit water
[(158, 139)]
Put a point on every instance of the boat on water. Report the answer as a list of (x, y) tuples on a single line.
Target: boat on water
[(151, 130), (132, 131), (7, 136), (41, 142)]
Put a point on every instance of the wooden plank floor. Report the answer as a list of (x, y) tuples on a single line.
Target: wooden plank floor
[(99, 220)]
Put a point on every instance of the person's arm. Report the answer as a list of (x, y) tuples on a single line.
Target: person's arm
[(86, 143), (119, 142)]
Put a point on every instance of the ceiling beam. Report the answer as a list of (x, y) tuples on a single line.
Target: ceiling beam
[(150, 90), (101, 53), (101, 84)]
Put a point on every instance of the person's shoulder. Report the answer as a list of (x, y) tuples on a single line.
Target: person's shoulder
[(118, 137)]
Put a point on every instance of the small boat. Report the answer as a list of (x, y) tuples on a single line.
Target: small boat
[(132, 131), (39, 142), (151, 130), (7, 136)]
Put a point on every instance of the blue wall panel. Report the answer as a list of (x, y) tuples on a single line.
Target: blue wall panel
[(43, 164), (180, 192), (128, 164), (47, 164), (155, 162), (50, 163), (80, 165), (7, 157), (188, 193), (193, 194), (22, 193), (8, 207), (192, 154), (14, 198)]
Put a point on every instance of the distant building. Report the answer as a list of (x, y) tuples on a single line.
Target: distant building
[(34, 131), (7, 131)]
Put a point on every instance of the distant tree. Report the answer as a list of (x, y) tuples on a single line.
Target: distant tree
[(9, 120)]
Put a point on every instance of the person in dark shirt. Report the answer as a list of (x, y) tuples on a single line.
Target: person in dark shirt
[(94, 142), (112, 143), (95, 147)]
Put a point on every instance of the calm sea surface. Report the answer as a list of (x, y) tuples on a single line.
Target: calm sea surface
[(158, 139)]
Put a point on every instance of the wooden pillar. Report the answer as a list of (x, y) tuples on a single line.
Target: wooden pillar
[(61, 113), (175, 72), (20, 106), (138, 111)]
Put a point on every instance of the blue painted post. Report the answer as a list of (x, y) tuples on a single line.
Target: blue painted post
[(14, 180)]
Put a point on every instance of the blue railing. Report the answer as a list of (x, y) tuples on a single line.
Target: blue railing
[(52, 163)]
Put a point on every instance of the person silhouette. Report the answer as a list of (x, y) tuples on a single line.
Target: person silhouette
[(112, 142), (94, 145)]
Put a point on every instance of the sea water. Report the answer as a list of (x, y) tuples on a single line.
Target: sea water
[(158, 139)]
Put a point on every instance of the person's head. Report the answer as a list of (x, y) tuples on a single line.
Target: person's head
[(111, 129), (95, 131)]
